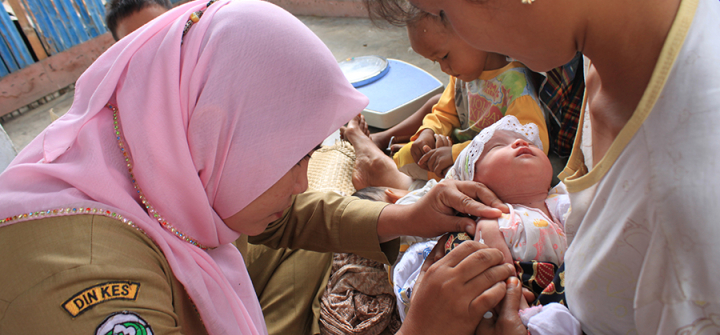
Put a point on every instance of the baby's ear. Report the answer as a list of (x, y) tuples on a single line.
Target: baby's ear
[(394, 194)]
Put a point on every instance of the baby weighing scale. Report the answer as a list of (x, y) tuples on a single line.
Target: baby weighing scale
[(396, 89)]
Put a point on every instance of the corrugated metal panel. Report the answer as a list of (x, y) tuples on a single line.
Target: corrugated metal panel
[(13, 51), (60, 24)]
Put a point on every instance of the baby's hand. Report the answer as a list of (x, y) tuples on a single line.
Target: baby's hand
[(426, 138)]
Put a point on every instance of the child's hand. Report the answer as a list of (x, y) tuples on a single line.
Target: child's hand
[(426, 138), (442, 141), (438, 160)]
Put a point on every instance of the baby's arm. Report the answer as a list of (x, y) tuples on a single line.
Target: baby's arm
[(488, 232)]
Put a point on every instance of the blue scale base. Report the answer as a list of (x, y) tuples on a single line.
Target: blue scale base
[(398, 94)]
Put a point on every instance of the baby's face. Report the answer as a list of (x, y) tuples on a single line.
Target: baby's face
[(511, 165), (430, 38)]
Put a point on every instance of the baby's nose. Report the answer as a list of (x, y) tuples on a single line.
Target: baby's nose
[(520, 143)]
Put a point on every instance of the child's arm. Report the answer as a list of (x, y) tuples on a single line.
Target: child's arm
[(424, 142), (487, 231), (442, 120)]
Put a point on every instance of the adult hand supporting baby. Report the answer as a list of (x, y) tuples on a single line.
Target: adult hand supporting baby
[(453, 292), (436, 213)]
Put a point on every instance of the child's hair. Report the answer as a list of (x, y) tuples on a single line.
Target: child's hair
[(371, 193), (395, 12), (117, 10)]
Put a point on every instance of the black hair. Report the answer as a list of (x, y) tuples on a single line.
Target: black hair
[(398, 13), (371, 193), (116, 10)]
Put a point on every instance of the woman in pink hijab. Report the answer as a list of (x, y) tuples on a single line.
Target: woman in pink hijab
[(120, 217)]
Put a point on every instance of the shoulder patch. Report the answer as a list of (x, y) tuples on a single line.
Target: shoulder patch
[(124, 323), (91, 296)]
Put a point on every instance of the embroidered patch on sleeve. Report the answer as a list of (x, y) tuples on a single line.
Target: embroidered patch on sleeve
[(91, 296), (124, 323)]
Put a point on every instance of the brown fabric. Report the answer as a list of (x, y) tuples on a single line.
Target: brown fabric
[(288, 284), (47, 262), (320, 222), (358, 299), (329, 222)]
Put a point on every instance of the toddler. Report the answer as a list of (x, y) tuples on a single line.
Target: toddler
[(483, 88)]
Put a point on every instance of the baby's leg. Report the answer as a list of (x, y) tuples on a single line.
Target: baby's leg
[(488, 232), (372, 166)]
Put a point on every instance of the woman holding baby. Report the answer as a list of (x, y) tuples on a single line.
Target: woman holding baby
[(642, 177)]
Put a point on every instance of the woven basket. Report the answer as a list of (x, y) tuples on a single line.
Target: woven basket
[(331, 167)]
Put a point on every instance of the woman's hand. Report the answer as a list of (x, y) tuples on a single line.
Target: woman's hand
[(426, 138), (505, 319), (436, 212), (453, 292)]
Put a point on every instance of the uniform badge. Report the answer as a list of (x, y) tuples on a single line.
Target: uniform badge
[(91, 296), (124, 323)]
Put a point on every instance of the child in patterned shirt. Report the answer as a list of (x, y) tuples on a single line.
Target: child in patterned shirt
[(483, 88)]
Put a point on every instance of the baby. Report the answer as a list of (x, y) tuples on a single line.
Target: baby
[(508, 158)]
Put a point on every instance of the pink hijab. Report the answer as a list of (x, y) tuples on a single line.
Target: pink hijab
[(210, 123)]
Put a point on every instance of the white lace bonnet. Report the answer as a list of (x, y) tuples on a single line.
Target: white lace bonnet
[(464, 167)]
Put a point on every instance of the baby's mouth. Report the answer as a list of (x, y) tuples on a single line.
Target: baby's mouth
[(524, 151)]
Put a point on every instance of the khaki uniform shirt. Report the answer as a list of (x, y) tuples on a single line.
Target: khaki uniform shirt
[(74, 274)]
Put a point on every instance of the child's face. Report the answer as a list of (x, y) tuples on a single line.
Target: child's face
[(510, 165), (430, 38), (531, 34)]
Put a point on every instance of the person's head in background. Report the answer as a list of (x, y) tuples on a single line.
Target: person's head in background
[(125, 16), (433, 38), (380, 193)]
